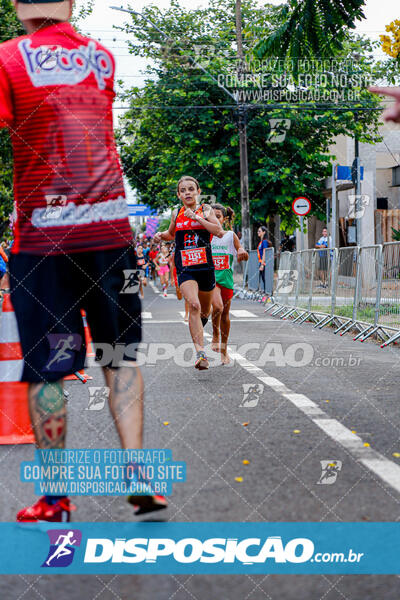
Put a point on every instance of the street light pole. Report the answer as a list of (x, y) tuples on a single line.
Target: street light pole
[(242, 117)]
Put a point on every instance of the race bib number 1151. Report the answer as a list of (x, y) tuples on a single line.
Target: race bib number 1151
[(190, 257)]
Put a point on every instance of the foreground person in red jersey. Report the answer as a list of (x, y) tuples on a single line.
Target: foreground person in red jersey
[(192, 227), (73, 242)]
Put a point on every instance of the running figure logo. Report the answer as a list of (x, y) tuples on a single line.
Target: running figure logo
[(357, 206), (330, 471), (63, 543), (279, 129), (286, 280), (55, 205), (131, 284), (252, 393), (62, 350), (97, 398)]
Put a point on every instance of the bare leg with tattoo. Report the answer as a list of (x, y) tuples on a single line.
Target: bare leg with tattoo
[(48, 414), (126, 403), (126, 406), (49, 422)]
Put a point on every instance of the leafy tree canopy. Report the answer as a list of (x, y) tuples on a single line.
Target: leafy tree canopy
[(182, 122)]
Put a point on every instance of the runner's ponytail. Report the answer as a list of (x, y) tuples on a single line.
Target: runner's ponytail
[(230, 215), (227, 212)]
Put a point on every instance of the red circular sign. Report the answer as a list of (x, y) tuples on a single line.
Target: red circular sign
[(301, 206)]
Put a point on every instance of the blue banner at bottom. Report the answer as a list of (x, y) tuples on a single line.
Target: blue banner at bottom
[(200, 548)]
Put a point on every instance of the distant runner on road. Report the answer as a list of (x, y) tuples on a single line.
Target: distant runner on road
[(192, 227)]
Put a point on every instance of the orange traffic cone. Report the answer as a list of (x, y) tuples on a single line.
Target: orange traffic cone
[(15, 423), (81, 375), (88, 336)]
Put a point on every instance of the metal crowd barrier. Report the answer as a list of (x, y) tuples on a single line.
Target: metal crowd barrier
[(248, 283), (355, 289)]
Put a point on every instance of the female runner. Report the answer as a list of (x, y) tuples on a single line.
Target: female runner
[(162, 261), (142, 264), (223, 251), (192, 226)]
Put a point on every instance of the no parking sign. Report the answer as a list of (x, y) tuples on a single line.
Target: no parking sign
[(301, 206)]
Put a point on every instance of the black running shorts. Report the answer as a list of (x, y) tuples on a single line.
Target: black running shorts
[(48, 293), (205, 278)]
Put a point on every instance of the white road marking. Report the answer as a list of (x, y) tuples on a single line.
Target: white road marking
[(154, 287), (384, 468), (381, 466), (147, 315), (161, 322), (243, 313), (185, 323)]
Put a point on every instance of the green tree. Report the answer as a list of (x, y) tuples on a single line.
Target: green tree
[(10, 27), (310, 28), (182, 122)]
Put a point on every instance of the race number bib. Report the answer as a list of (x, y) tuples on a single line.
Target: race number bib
[(221, 262), (195, 256)]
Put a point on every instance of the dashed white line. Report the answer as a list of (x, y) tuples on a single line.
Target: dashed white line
[(243, 313), (384, 468)]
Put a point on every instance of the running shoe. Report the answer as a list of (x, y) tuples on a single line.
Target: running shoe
[(144, 503), (60, 511), (202, 361), (147, 504)]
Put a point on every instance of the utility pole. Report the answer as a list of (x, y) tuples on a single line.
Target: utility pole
[(334, 207), (242, 118), (358, 203)]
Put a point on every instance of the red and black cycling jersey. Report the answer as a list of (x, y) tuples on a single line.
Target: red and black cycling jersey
[(192, 244)]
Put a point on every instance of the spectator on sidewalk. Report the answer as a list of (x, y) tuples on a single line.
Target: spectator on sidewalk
[(288, 243), (323, 244), (261, 248)]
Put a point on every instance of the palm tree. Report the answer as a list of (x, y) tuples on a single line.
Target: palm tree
[(311, 28)]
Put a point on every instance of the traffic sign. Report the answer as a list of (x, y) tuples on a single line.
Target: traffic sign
[(301, 206)]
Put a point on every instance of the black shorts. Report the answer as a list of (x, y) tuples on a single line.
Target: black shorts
[(48, 293), (205, 278)]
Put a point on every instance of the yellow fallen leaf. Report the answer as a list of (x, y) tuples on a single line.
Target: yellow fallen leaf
[(245, 424), (166, 423), (396, 454), (366, 444), (296, 430), (239, 479), (246, 462)]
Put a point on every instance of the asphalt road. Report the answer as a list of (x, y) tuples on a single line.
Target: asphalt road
[(314, 396)]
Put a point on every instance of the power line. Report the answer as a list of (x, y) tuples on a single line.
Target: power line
[(324, 107)]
